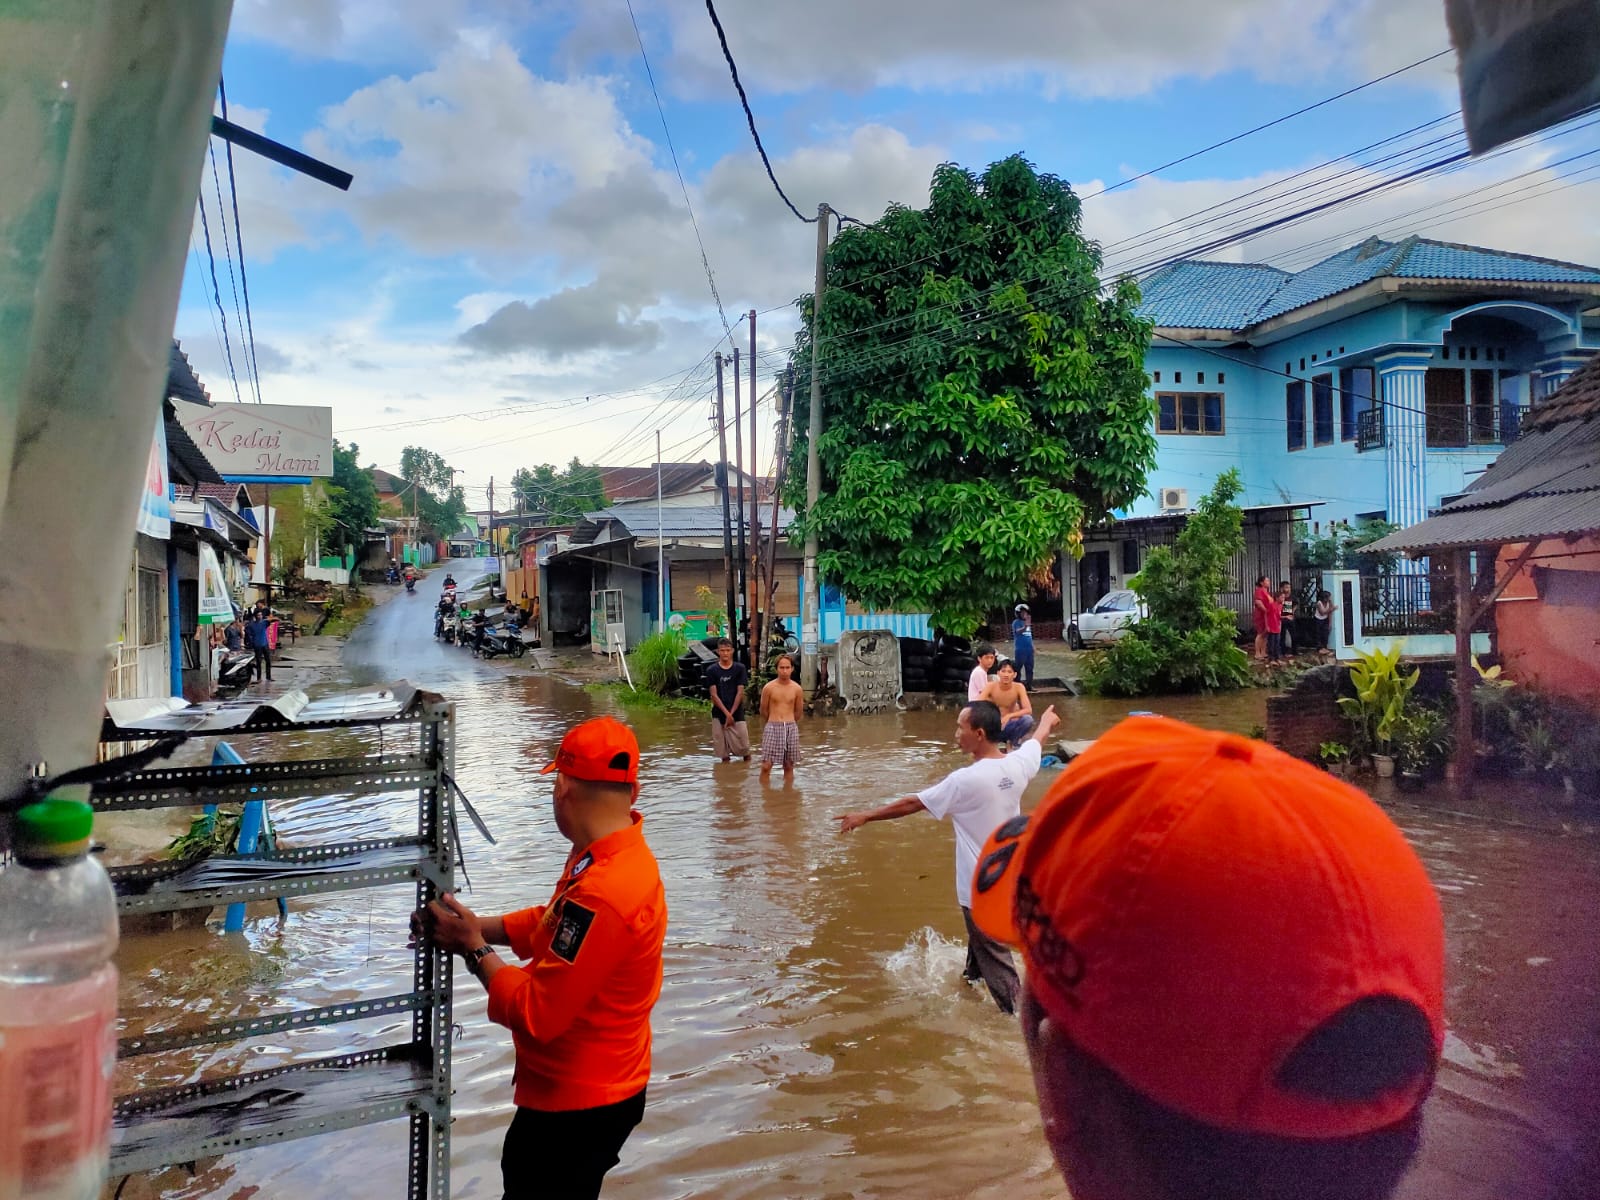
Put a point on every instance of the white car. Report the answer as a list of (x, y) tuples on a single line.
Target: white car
[(1107, 621)]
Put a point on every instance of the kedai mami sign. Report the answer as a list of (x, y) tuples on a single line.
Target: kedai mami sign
[(262, 442)]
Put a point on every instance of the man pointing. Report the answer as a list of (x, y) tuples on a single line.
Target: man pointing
[(579, 1008)]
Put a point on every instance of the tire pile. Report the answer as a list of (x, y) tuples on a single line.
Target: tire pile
[(916, 665), (941, 666)]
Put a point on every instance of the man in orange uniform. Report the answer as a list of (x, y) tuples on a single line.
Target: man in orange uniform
[(579, 1010)]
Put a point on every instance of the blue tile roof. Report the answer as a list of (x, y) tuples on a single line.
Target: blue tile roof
[(1209, 295)]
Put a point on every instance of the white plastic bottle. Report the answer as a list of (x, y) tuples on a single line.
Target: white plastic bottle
[(58, 1008)]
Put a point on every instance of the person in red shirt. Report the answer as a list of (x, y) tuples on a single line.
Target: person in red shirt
[(579, 1009), (1262, 612)]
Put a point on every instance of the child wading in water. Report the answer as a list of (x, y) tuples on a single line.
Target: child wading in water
[(783, 701)]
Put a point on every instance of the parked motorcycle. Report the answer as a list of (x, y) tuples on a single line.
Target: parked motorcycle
[(393, 574), (236, 671), (505, 640)]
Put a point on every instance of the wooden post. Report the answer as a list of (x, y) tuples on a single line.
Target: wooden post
[(752, 574), (1466, 756), (727, 522)]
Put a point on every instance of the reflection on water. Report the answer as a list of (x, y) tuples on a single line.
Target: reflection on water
[(814, 1038)]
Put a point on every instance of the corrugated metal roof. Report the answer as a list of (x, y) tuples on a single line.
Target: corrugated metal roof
[(637, 483), (685, 522), (1546, 484), (1521, 520), (182, 382), (1579, 397), (1210, 295)]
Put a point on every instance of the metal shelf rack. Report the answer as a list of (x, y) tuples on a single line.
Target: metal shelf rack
[(161, 1126)]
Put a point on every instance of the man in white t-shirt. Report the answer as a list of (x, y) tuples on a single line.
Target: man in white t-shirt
[(978, 799), (979, 679)]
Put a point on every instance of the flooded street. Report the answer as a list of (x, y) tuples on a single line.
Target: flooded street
[(813, 1037)]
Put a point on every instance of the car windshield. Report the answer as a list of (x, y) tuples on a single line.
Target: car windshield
[(1116, 602)]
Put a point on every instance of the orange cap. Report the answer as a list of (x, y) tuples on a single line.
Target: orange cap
[(602, 750), (1191, 905)]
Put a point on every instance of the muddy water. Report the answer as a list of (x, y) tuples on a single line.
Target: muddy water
[(813, 1037)]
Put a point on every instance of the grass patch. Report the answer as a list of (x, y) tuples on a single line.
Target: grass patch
[(347, 615), (641, 699)]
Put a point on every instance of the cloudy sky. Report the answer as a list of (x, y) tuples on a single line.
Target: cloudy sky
[(513, 277)]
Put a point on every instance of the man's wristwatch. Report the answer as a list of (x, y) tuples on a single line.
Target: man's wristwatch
[(473, 957)]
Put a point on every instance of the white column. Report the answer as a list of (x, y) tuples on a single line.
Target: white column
[(1402, 392)]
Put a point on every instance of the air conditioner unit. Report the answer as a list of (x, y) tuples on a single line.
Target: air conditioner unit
[(1174, 499)]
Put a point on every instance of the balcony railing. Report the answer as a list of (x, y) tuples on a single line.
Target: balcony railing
[(1369, 430), (1398, 605)]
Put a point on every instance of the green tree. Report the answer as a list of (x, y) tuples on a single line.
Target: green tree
[(984, 395), (564, 496), (352, 498), (440, 505), (1187, 641)]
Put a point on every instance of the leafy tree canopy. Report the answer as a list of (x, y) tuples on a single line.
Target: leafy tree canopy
[(564, 495), (352, 498), (984, 395), (440, 505)]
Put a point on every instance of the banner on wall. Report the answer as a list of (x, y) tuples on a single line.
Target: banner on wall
[(216, 604), (155, 503)]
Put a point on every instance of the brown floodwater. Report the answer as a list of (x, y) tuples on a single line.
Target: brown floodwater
[(813, 1037)]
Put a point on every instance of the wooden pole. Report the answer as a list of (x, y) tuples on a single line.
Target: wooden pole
[(1466, 756), (727, 525), (752, 573), (734, 624)]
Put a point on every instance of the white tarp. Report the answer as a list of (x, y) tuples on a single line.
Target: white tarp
[(261, 441)]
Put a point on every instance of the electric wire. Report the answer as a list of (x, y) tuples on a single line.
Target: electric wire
[(750, 117), (227, 251), (705, 260), (216, 293), (238, 237)]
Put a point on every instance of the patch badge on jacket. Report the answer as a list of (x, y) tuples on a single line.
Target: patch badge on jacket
[(582, 865), (571, 930)]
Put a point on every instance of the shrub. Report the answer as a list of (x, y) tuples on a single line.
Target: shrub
[(1380, 701), (1186, 643), (654, 661)]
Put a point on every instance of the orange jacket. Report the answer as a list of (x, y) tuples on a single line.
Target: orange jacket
[(579, 1011)]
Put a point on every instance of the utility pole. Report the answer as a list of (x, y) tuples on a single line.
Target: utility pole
[(811, 622), (752, 574), (782, 451), (734, 623), (661, 548), (493, 549), (727, 522), (266, 541)]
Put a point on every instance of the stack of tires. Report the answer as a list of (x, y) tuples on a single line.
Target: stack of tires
[(952, 664), (916, 665)]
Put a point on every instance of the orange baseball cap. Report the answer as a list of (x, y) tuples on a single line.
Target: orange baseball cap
[(1191, 905), (601, 750)]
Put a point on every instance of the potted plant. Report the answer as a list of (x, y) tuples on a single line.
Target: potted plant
[(1422, 742), (1335, 758), (1381, 690)]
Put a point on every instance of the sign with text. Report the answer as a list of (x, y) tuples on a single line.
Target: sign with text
[(869, 670), (261, 441)]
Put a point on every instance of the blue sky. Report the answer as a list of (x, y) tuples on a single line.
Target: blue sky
[(512, 278)]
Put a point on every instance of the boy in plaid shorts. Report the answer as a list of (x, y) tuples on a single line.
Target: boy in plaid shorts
[(783, 701)]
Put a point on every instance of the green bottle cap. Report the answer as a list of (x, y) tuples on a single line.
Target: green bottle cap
[(54, 824)]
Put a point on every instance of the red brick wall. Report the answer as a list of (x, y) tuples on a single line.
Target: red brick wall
[(1300, 719)]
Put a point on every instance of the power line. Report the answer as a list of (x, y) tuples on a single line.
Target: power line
[(1299, 112), (238, 236), (227, 252), (216, 293), (705, 261), (750, 117)]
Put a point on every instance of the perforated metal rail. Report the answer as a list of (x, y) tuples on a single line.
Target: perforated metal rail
[(221, 1114)]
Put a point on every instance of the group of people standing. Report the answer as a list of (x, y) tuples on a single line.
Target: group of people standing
[(782, 705), (256, 630), (1273, 613)]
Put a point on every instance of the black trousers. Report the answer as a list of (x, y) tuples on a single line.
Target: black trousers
[(263, 663), (990, 961), (565, 1155)]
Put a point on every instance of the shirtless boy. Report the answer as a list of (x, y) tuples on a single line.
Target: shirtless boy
[(783, 701), (1011, 698)]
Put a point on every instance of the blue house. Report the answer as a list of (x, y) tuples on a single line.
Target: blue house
[(1378, 382)]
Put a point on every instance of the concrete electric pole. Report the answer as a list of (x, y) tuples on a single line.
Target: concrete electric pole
[(811, 622)]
